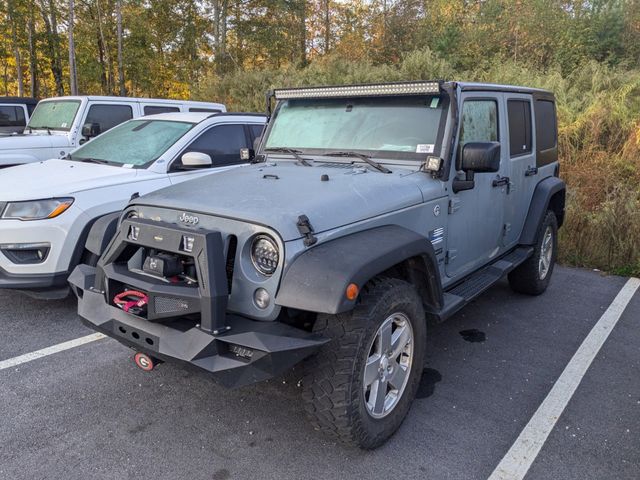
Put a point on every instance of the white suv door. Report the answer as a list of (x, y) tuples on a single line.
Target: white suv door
[(222, 143)]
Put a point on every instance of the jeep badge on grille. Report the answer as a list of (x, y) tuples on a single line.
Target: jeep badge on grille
[(188, 219)]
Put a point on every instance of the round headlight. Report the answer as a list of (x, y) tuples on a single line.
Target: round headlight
[(264, 254)]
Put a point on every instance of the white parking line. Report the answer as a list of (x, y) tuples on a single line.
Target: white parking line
[(27, 357), (518, 460)]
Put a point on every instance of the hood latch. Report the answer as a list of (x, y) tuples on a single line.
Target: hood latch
[(306, 230)]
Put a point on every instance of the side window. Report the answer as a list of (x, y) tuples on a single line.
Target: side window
[(204, 110), (256, 130), (479, 121), (519, 114), (221, 143), (546, 132), (11, 116), (545, 124), (154, 109), (108, 116)]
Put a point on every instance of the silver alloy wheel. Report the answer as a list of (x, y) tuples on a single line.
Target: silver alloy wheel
[(546, 253), (388, 365)]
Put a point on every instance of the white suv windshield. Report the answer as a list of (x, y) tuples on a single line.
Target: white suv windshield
[(373, 124), (54, 115), (135, 143)]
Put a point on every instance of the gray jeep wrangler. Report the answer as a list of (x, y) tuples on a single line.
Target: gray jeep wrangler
[(372, 209)]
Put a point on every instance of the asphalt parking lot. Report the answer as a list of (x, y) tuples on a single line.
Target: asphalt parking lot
[(89, 412)]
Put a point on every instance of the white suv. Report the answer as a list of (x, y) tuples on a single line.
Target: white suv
[(58, 125), (47, 208)]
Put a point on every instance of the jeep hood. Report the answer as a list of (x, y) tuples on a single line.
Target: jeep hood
[(55, 178), (276, 194), (32, 140)]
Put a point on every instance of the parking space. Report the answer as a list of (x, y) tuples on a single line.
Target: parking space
[(88, 412)]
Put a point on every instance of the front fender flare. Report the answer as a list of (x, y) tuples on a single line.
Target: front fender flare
[(101, 233), (317, 279)]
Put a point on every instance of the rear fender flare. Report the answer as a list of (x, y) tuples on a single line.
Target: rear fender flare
[(549, 193)]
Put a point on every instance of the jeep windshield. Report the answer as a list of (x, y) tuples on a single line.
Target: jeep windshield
[(134, 144), (54, 115), (403, 127)]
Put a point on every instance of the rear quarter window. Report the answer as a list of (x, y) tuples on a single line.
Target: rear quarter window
[(546, 132), (155, 109)]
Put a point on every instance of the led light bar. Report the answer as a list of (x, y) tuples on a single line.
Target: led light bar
[(381, 89)]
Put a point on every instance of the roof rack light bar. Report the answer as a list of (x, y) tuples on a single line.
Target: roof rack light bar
[(409, 88)]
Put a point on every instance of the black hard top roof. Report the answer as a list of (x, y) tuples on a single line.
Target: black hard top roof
[(21, 100), (495, 87)]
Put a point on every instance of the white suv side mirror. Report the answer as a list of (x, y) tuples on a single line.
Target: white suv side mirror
[(196, 160)]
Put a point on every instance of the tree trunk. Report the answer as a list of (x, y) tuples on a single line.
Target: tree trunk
[(51, 27), (327, 25), (16, 49), (122, 87), (73, 73), (303, 33), (33, 61), (105, 51)]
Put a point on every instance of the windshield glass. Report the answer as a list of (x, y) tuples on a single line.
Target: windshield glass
[(374, 124), (54, 115), (135, 143)]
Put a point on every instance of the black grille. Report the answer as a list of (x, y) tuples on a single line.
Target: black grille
[(170, 305), (231, 259)]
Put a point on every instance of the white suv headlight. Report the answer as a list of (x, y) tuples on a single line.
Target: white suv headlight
[(265, 254), (36, 209)]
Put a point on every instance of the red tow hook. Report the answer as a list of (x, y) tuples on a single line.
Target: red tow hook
[(145, 362)]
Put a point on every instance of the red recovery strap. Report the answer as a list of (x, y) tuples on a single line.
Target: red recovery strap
[(130, 298)]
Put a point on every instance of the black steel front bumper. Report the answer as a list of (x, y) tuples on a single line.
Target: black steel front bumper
[(251, 351), (236, 350)]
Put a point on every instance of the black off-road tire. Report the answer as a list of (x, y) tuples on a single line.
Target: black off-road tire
[(333, 381), (526, 278)]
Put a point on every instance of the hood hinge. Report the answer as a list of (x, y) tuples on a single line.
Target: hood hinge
[(306, 230)]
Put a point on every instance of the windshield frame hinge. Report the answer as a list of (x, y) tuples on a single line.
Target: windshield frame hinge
[(306, 230)]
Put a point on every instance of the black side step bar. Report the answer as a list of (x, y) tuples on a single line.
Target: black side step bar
[(471, 287)]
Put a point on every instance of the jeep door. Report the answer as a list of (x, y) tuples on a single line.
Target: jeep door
[(523, 172), (476, 216)]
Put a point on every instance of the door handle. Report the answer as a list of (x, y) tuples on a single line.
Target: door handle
[(501, 182), (531, 171)]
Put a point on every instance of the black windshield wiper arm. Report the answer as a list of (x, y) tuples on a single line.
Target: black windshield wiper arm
[(361, 156), (290, 151), (93, 160)]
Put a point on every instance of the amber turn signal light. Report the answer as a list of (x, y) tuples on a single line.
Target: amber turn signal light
[(352, 291)]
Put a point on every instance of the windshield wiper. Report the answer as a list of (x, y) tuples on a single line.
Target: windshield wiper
[(361, 156), (290, 151), (42, 127), (93, 160)]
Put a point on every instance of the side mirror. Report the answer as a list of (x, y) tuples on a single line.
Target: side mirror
[(481, 157), (193, 160), (90, 130), (477, 157)]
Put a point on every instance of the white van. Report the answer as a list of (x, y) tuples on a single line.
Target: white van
[(60, 124)]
